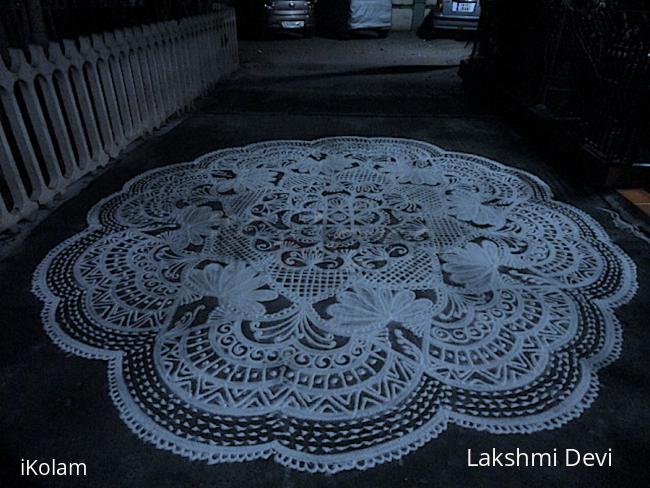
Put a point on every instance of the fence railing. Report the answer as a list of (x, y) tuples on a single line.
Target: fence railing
[(69, 109), (588, 67)]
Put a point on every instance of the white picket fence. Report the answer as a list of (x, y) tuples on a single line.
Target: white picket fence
[(66, 112)]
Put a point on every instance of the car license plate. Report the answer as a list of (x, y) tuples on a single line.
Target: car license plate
[(293, 24), (462, 7)]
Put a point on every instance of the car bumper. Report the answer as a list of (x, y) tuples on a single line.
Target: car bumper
[(454, 23), (274, 20)]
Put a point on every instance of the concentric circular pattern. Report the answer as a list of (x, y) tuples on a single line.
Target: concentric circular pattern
[(334, 304)]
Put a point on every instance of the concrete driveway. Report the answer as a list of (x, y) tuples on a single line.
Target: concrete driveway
[(56, 405)]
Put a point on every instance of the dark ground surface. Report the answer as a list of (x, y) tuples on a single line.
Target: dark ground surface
[(55, 405)]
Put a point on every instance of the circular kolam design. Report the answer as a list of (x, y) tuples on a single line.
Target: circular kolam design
[(335, 304)]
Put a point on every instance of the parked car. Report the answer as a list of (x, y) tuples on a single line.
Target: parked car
[(455, 14), (345, 17), (259, 17)]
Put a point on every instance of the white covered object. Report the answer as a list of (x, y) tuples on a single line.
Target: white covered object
[(370, 14)]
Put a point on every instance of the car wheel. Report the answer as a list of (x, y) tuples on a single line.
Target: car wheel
[(309, 32)]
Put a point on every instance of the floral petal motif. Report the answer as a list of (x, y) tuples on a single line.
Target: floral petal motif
[(236, 285), (245, 178), (476, 266), (469, 208), (366, 309), (323, 163), (198, 222), (418, 172), (335, 304)]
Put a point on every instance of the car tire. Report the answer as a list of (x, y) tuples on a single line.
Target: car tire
[(309, 32), (383, 33)]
